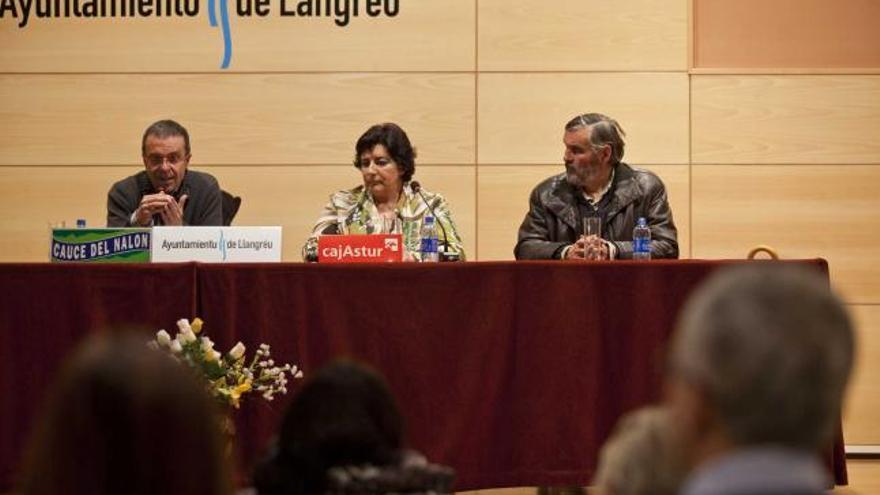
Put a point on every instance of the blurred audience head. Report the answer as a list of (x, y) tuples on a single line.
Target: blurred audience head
[(343, 415), (642, 456), (762, 356), (123, 418)]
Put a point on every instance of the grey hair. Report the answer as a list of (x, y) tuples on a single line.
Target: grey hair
[(603, 131), (163, 129), (642, 456), (771, 347)]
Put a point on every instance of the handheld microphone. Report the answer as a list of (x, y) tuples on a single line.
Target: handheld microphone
[(445, 255)]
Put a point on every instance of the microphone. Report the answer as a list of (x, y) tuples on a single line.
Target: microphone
[(444, 255)]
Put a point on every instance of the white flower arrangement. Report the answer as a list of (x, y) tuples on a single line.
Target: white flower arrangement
[(228, 376)]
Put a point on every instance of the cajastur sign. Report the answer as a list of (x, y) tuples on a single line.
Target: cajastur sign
[(360, 248)]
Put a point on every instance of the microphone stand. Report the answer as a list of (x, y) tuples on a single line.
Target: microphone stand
[(444, 255)]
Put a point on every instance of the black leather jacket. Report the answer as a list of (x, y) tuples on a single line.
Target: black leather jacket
[(553, 220)]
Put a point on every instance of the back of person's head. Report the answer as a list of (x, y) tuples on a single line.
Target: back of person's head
[(770, 347), (343, 415), (641, 457), (123, 418)]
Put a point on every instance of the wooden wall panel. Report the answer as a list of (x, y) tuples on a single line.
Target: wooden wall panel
[(522, 116), (504, 200), (786, 33), (860, 424), (786, 119), (863, 475), (271, 195), (33, 198), (803, 211), (424, 36), (233, 118), (572, 35)]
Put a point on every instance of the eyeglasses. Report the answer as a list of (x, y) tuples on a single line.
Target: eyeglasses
[(173, 159)]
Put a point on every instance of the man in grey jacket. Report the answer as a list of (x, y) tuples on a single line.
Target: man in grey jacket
[(165, 193), (595, 183)]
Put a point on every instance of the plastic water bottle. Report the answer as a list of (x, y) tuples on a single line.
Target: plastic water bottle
[(641, 240), (428, 235)]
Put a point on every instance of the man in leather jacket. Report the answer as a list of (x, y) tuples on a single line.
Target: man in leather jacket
[(595, 183)]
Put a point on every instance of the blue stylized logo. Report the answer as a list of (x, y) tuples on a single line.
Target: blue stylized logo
[(222, 243), (342, 11), (227, 36)]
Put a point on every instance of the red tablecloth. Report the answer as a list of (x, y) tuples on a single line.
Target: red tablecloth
[(511, 372)]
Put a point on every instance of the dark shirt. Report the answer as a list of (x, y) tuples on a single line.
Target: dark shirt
[(203, 205)]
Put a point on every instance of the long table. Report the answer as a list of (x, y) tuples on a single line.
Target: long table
[(513, 373)]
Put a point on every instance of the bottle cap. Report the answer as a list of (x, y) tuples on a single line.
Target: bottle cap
[(80, 223)]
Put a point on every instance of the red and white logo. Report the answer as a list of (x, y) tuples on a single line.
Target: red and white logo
[(360, 248)]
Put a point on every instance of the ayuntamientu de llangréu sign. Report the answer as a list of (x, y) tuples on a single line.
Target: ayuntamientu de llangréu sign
[(340, 11)]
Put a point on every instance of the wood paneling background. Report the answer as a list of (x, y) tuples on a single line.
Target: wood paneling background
[(860, 416), (804, 211), (786, 119), (522, 114), (777, 34), (233, 119), (483, 87), (578, 35)]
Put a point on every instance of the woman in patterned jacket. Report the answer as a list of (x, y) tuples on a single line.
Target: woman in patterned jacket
[(388, 201)]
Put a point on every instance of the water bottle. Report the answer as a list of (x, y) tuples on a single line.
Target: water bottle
[(641, 240), (428, 235)]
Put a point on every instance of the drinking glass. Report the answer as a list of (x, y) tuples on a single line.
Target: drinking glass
[(592, 226)]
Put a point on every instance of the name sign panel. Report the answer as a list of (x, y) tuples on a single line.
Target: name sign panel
[(217, 244), (100, 245), (360, 248)]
